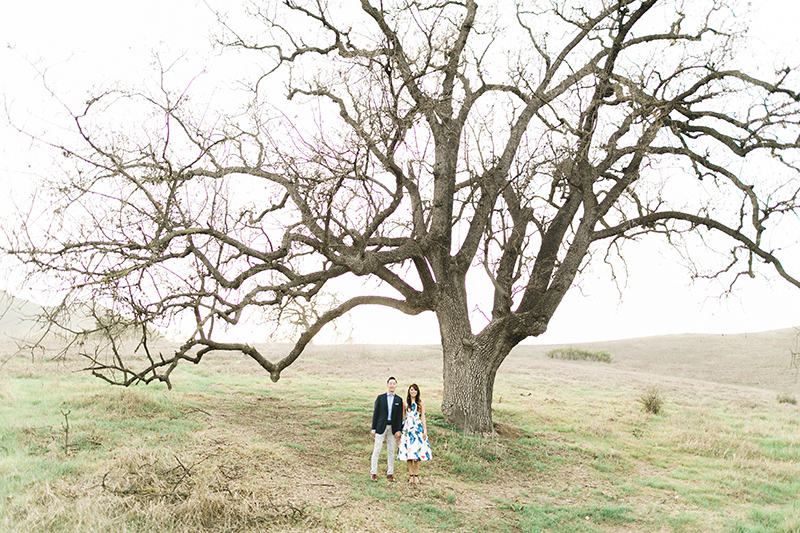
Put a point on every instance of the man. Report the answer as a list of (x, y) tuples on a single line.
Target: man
[(387, 420)]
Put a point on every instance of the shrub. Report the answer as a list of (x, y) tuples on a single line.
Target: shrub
[(652, 401), (787, 398), (577, 354)]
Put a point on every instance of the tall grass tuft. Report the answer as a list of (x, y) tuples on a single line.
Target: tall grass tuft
[(787, 398), (652, 401)]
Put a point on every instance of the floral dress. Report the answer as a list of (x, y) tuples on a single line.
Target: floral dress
[(413, 446)]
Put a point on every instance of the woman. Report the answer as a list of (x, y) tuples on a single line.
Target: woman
[(414, 445)]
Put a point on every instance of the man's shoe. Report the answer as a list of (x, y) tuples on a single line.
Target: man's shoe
[(374, 477), (390, 477)]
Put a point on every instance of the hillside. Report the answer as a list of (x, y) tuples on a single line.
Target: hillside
[(228, 450), (761, 360), (743, 365), (17, 316)]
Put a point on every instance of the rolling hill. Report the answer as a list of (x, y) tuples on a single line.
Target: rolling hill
[(762, 360)]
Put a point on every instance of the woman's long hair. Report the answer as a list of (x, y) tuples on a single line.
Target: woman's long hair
[(408, 396)]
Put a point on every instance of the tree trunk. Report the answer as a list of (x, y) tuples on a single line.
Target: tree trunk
[(470, 367)]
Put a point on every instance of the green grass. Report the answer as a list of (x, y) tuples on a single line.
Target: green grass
[(433, 516), (230, 451), (549, 517), (762, 519)]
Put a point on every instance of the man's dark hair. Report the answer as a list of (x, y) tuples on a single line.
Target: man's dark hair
[(390, 379)]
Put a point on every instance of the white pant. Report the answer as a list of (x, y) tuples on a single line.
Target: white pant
[(391, 445)]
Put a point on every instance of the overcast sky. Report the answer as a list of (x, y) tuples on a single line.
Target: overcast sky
[(86, 43)]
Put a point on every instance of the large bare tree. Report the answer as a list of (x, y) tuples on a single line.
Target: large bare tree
[(413, 144)]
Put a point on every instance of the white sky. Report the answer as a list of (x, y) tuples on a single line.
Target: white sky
[(86, 43)]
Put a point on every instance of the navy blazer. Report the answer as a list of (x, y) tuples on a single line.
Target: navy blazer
[(380, 414)]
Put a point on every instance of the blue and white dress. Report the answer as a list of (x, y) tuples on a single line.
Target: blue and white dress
[(413, 446)]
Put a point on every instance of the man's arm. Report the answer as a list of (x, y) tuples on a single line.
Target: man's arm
[(375, 415), (398, 412)]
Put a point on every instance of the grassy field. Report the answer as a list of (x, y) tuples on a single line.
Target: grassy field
[(227, 450)]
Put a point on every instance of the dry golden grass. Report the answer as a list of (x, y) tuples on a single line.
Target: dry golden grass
[(227, 450)]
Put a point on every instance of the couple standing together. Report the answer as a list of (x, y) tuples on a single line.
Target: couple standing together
[(393, 418)]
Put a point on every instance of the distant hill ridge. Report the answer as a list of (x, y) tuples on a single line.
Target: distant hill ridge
[(17, 315), (18, 318)]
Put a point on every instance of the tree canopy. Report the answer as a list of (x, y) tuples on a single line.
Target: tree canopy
[(406, 145)]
